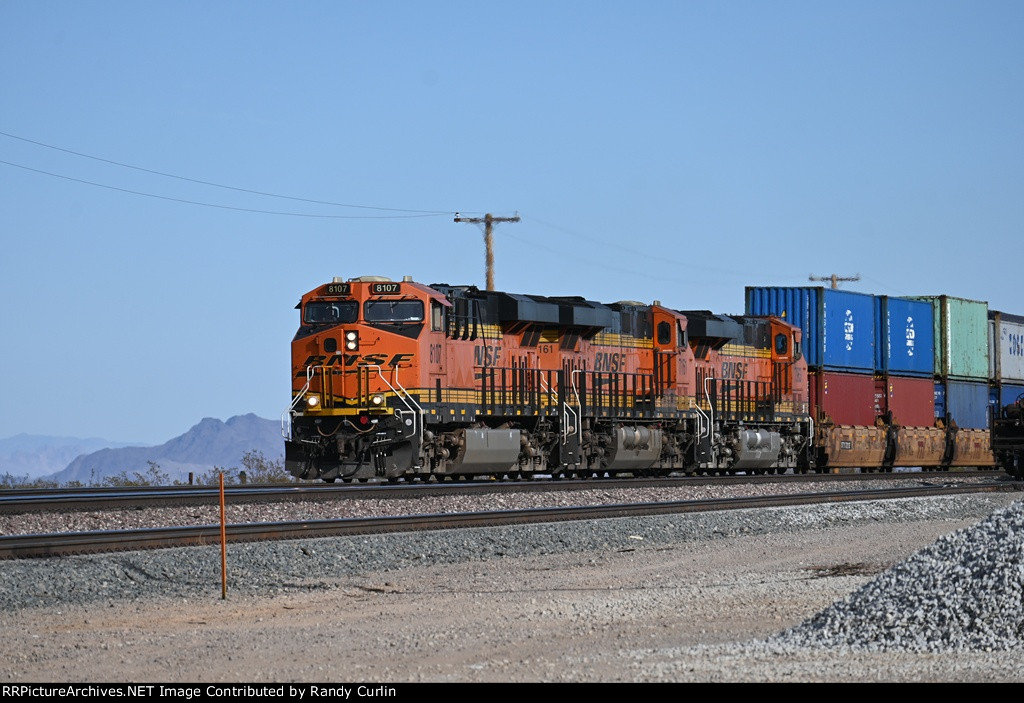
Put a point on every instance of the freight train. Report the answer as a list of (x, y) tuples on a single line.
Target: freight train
[(398, 380)]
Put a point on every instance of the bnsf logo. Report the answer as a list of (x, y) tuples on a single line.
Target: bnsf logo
[(609, 362), (486, 355), (355, 360), (734, 369)]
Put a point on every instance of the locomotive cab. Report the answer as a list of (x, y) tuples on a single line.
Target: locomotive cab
[(360, 345)]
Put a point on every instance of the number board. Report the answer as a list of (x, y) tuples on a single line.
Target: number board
[(338, 289), (384, 288)]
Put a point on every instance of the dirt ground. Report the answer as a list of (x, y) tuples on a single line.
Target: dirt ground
[(594, 617)]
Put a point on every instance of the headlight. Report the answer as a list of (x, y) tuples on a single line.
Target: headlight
[(377, 399), (351, 340), (312, 401)]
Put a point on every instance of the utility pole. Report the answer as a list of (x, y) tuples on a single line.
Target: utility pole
[(835, 279), (488, 221)]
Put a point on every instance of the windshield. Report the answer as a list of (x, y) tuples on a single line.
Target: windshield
[(330, 312), (393, 311)]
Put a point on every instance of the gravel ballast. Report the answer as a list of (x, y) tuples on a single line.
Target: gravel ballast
[(731, 596)]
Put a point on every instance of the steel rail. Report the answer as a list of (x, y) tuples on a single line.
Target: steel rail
[(51, 499), (50, 545)]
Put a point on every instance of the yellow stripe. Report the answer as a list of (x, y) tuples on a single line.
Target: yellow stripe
[(744, 350), (621, 341)]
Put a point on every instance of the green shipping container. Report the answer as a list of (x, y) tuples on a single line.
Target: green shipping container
[(961, 337)]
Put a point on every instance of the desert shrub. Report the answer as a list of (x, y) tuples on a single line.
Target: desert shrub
[(9, 480), (153, 476), (255, 467)]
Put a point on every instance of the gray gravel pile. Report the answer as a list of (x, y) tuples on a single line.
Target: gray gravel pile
[(964, 593)]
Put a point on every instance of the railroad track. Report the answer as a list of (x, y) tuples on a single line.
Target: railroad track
[(62, 544), (15, 501)]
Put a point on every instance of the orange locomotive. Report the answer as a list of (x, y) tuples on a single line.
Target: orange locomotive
[(403, 380)]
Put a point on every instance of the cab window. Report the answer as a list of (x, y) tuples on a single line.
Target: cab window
[(436, 316), (324, 312), (664, 333), (781, 344), (393, 311)]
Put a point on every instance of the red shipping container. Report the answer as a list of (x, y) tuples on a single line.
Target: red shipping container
[(910, 400), (843, 398)]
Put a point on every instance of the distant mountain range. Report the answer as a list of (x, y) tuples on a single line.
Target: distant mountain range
[(211, 443), (36, 456)]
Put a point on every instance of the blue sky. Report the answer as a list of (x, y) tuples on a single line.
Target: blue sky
[(674, 151)]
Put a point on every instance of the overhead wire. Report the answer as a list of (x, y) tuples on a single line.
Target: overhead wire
[(659, 257), (410, 213), (416, 213), (222, 207), (583, 259)]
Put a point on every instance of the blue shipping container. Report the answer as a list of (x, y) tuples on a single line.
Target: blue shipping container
[(904, 337), (838, 326), (964, 402)]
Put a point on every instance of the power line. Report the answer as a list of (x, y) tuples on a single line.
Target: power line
[(208, 183), (222, 207), (659, 257)]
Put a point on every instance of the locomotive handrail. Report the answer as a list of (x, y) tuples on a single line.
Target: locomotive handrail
[(286, 425), (544, 386), (417, 412), (703, 422), (711, 407), (578, 411), (287, 433), (547, 389)]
